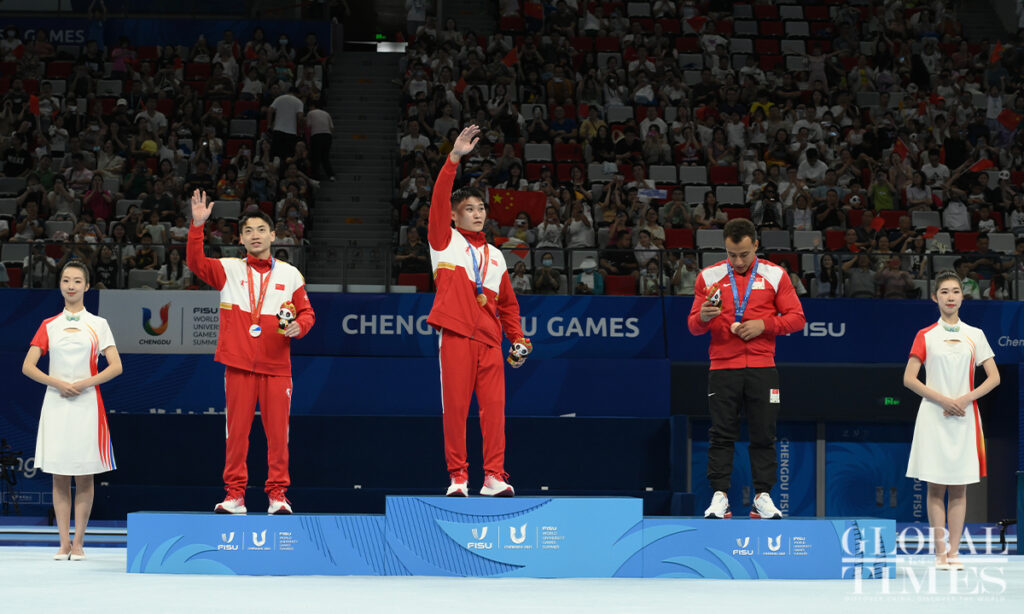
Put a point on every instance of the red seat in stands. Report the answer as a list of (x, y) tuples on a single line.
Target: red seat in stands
[(619, 285), (422, 281)]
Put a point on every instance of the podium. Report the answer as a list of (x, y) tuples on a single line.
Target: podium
[(539, 537)]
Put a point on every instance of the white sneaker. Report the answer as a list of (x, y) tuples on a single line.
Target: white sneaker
[(459, 486), (231, 505), (279, 504), (719, 507), (764, 508), (496, 486)]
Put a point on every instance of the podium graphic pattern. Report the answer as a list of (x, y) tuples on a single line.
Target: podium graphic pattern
[(524, 537)]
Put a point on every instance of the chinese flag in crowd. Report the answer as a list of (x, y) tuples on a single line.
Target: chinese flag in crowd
[(1009, 119), (33, 104), (511, 58), (997, 52), (981, 165), (460, 86), (901, 148), (697, 23), (506, 204), (533, 10)]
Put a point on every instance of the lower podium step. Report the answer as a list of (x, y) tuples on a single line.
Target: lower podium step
[(524, 537)]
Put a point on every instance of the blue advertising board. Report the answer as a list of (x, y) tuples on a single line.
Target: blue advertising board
[(861, 330), (164, 31), (618, 328), (558, 326), (553, 537)]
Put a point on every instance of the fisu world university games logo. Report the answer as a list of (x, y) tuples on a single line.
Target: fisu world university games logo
[(147, 319)]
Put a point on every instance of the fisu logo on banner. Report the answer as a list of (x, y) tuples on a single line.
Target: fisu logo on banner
[(227, 539)]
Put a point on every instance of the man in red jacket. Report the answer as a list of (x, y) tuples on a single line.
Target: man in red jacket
[(744, 303), (254, 346), (473, 303)]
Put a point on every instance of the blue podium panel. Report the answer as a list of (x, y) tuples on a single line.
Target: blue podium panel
[(746, 549), (526, 536), (258, 544), (535, 537)]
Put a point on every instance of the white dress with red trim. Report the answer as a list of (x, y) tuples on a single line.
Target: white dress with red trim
[(949, 449), (73, 436)]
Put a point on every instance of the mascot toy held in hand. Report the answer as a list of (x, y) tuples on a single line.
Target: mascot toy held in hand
[(285, 316)]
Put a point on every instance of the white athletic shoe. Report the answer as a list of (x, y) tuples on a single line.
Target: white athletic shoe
[(496, 486), (764, 508), (279, 504), (459, 486), (719, 507), (231, 505)]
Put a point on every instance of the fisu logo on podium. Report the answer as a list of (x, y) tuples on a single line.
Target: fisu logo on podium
[(743, 547), (227, 538), (478, 543)]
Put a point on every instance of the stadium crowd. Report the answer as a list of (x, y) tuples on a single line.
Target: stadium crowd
[(870, 143), (101, 148)]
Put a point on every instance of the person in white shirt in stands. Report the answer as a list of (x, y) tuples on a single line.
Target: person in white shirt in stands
[(252, 85), (652, 119), (321, 130), (955, 215), (413, 141), (156, 120), (579, 230), (286, 119), (641, 182), (935, 172), (812, 171), (174, 275)]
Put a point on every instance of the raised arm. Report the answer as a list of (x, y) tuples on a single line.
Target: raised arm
[(209, 270), (439, 229)]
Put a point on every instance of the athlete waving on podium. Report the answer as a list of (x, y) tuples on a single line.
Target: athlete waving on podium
[(254, 347), (473, 304)]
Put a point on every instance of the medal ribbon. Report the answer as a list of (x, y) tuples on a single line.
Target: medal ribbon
[(741, 307), (254, 312), (480, 277)]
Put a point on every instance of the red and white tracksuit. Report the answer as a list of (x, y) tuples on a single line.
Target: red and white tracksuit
[(470, 344), (257, 368), (772, 299)]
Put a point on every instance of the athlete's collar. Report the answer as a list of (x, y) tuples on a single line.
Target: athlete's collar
[(476, 239)]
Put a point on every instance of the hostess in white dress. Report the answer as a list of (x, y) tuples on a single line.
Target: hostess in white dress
[(73, 437), (949, 449)]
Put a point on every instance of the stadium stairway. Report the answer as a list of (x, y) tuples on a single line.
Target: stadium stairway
[(352, 235)]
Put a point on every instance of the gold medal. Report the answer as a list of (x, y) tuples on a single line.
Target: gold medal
[(481, 299)]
